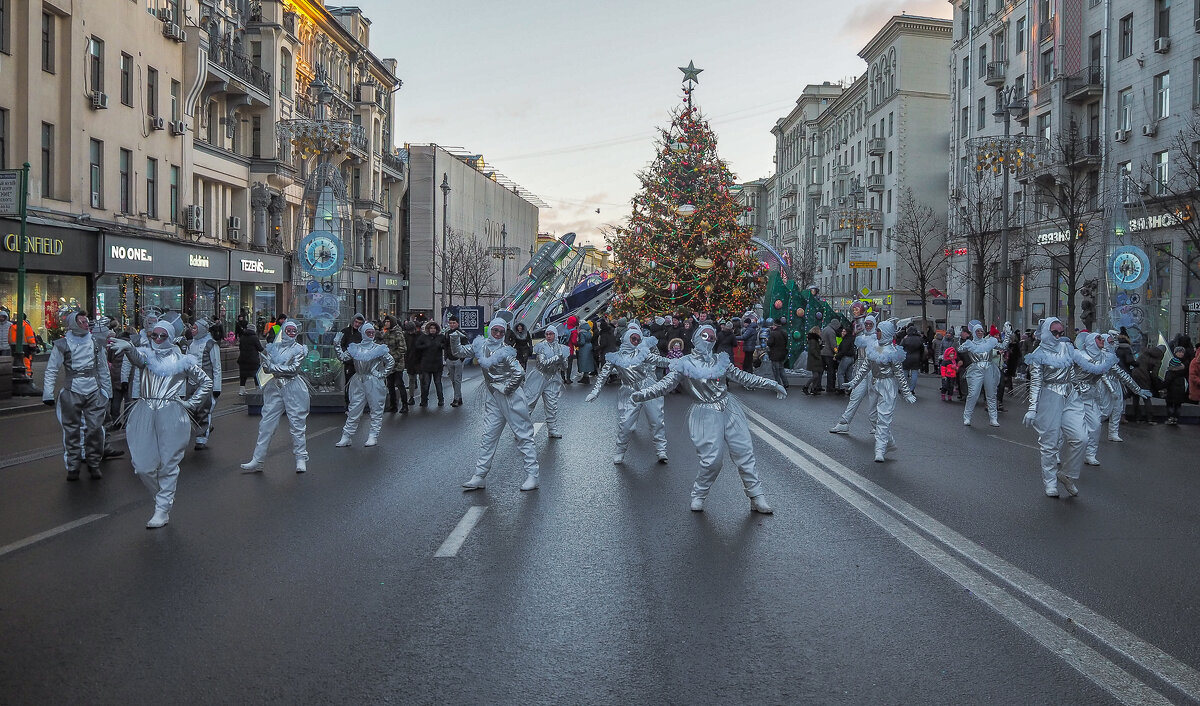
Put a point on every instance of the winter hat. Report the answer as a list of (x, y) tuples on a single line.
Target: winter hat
[(497, 322), (289, 324), (368, 326), (73, 323), (701, 344), (887, 330), (658, 321)]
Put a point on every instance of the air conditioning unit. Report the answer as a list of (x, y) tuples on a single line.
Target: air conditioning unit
[(164, 14), (235, 222), (1120, 135), (1149, 129), (1162, 45), (99, 100), (193, 219), (178, 127), (157, 123), (235, 235), (174, 31)]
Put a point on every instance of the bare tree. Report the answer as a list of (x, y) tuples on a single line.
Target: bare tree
[(919, 241), (1066, 190), (478, 269), (1176, 195), (977, 218)]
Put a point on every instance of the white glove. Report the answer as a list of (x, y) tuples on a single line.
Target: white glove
[(910, 398), (120, 345), (1029, 417), (846, 386), (780, 392), (1146, 394), (590, 397), (638, 397)]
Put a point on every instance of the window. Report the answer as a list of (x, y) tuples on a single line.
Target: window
[(125, 164), (964, 121), (1125, 37), (889, 200), (173, 216), (47, 160), (1162, 95), (152, 91), (983, 61), (95, 62), (126, 79), (1162, 174), (891, 123), (96, 174), (1046, 72), (3, 133), (1019, 88), (175, 89), (48, 42), (964, 18), (1124, 172), (285, 74), (1000, 44), (152, 187), (981, 116), (256, 136), (1094, 46), (1162, 18), (1125, 109), (5, 9), (965, 78), (889, 162), (1195, 83), (1043, 126), (1020, 32)]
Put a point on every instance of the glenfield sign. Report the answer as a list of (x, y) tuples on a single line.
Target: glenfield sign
[(34, 245)]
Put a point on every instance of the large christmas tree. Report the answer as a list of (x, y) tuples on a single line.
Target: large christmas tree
[(682, 248)]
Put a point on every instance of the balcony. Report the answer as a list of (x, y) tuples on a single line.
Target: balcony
[(813, 189), (1046, 29), (790, 189), (875, 183), (393, 163), (823, 212), (876, 146), (789, 211), (841, 171), (1085, 85), (371, 204), (239, 66), (996, 70), (1084, 153)]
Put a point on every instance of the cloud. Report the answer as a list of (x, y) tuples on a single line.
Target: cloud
[(865, 20)]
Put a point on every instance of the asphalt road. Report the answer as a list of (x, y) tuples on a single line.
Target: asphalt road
[(943, 576)]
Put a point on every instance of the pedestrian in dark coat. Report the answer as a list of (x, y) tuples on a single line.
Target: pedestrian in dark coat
[(1175, 384), (726, 340), (519, 339), (249, 346), (816, 364), (914, 353), (777, 352), (587, 364), (429, 351), (1145, 374), (412, 359)]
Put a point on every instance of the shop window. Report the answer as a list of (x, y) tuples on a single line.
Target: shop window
[(45, 296)]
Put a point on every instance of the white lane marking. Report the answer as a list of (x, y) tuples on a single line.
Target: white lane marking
[(1067, 609), (455, 541), (49, 533), (1001, 438)]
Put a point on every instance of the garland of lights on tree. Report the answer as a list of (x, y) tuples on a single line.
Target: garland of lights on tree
[(682, 247)]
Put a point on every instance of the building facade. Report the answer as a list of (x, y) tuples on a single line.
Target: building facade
[(1098, 77), (164, 182)]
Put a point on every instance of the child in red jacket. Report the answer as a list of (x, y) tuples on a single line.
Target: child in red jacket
[(949, 374)]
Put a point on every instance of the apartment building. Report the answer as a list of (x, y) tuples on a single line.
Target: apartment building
[(158, 173), (1098, 75), (866, 144), (752, 197)]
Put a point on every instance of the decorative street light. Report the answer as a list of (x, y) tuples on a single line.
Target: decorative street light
[(445, 187), (1006, 154)]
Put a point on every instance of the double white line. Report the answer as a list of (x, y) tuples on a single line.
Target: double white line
[(1044, 613)]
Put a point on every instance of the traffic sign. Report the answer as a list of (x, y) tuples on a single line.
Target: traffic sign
[(914, 302), (940, 301), (866, 292), (10, 192)]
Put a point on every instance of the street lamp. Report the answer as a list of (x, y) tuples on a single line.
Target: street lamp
[(503, 254), (445, 235), (1006, 154)]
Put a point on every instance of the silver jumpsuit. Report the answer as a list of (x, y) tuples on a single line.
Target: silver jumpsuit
[(83, 402), (716, 420), (1055, 410), (1096, 390), (159, 425), (373, 364), (545, 382), (637, 368), (983, 373), (505, 401), (286, 392), (888, 379), (206, 350), (864, 388)]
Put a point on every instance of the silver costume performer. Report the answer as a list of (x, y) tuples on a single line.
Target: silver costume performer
[(83, 402), (888, 379), (716, 420), (206, 350), (1113, 404), (159, 425), (373, 364), (1055, 411), (286, 392), (545, 380), (636, 367), (505, 401), (1096, 364), (861, 371), (983, 372)]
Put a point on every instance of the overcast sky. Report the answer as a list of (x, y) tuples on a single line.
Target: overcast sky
[(563, 97)]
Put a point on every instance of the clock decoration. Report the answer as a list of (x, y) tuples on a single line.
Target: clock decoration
[(321, 253), (1129, 267)]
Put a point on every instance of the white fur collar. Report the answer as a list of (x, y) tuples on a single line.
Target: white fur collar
[(168, 365), (885, 354), (498, 355), (696, 369), (544, 348), (1085, 362), (1057, 359), (865, 340), (981, 347), (629, 360), (365, 352)]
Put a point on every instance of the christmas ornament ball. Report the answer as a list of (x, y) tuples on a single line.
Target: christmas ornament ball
[(796, 335), (800, 312), (778, 303)]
